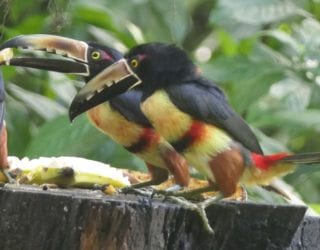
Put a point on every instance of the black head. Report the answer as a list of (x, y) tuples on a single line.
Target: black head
[(99, 58), (150, 66), (158, 64)]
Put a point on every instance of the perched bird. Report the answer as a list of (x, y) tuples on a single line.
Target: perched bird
[(192, 114), (3, 136), (120, 117)]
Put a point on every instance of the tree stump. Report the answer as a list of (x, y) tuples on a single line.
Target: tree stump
[(82, 219)]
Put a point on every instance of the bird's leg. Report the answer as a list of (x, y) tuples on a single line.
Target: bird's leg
[(158, 176), (200, 207), (5, 176), (197, 207), (243, 193), (194, 193)]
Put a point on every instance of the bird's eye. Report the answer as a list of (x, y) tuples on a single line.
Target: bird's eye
[(134, 63), (95, 55)]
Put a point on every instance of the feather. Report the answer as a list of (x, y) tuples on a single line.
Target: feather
[(207, 103)]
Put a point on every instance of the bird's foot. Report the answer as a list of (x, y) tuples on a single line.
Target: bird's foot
[(240, 194), (171, 191), (194, 194), (145, 191), (199, 208)]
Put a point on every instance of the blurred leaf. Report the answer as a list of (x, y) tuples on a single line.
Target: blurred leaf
[(268, 144), (17, 117), (45, 107), (306, 180), (228, 44), (63, 87), (305, 119), (285, 38), (258, 11), (316, 207), (260, 195)]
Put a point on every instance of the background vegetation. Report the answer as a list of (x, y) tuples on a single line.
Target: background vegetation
[(264, 54)]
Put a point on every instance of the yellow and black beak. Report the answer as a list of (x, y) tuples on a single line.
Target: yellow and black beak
[(114, 80), (103, 81), (74, 51)]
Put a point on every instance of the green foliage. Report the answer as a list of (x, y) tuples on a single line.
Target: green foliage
[(264, 54), (316, 207)]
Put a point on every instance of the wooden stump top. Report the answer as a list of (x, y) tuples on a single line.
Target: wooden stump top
[(82, 219)]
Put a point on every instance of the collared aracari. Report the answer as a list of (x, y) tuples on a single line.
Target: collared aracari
[(121, 117), (192, 114)]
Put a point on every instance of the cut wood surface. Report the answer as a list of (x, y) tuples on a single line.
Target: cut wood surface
[(82, 219)]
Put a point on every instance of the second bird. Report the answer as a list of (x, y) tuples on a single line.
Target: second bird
[(193, 115)]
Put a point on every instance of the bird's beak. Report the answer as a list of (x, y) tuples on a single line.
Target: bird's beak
[(114, 80), (74, 51)]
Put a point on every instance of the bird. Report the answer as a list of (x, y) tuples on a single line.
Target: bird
[(4, 177), (193, 114), (121, 117)]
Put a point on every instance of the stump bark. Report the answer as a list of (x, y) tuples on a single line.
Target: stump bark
[(31, 218)]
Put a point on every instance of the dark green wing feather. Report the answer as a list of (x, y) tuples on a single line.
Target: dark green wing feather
[(206, 102)]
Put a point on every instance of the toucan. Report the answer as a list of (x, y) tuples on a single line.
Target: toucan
[(119, 117), (4, 177), (193, 114)]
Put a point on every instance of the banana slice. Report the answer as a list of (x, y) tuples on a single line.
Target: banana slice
[(6, 55), (66, 172)]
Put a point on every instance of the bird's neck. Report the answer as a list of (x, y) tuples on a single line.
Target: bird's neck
[(161, 82)]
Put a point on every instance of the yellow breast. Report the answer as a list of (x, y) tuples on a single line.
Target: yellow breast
[(174, 124), (164, 115), (126, 133), (114, 124)]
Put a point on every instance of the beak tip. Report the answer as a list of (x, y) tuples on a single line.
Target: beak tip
[(76, 108), (72, 114)]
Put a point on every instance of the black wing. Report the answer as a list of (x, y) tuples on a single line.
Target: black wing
[(2, 97), (128, 104), (206, 102)]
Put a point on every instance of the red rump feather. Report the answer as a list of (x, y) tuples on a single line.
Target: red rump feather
[(264, 162)]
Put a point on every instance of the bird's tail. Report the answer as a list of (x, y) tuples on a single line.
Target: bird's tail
[(266, 167), (305, 158), (266, 162)]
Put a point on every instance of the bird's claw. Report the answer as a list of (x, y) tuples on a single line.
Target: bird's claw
[(199, 207)]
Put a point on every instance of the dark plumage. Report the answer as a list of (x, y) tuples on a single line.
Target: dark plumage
[(193, 115), (207, 103), (168, 67), (128, 105)]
